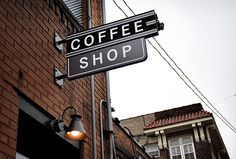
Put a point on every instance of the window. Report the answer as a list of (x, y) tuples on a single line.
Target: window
[(182, 148), (153, 150)]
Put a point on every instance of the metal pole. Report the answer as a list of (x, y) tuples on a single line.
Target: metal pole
[(112, 150), (101, 128), (93, 116), (110, 126), (89, 25)]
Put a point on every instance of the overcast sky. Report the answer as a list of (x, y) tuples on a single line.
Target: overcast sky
[(200, 35)]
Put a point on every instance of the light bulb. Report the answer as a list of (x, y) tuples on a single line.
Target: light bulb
[(75, 133)]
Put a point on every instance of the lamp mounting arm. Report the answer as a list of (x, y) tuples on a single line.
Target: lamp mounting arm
[(71, 107)]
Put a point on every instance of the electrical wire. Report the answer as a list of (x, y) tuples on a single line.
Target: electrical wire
[(224, 121), (194, 85), (120, 8), (128, 7), (213, 109)]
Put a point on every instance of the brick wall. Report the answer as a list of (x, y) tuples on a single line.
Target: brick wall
[(203, 150), (164, 154), (28, 58), (124, 144)]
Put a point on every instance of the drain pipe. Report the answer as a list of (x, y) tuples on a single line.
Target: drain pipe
[(102, 102), (110, 126), (89, 25), (112, 150)]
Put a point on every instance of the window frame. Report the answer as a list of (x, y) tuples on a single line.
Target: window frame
[(149, 152), (181, 145)]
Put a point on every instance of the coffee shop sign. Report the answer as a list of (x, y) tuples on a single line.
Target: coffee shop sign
[(110, 46)]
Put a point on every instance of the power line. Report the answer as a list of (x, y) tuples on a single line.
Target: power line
[(226, 122), (187, 78), (194, 85), (120, 8), (128, 7), (222, 118)]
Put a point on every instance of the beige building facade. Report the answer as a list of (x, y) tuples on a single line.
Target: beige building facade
[(187, 132)]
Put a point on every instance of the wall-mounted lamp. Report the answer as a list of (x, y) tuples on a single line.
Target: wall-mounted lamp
[(75, 131)]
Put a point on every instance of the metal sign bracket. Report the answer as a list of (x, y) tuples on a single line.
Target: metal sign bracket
[(59, 77), (58, 42)]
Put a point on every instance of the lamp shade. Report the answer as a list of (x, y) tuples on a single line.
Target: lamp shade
[(75, 130)]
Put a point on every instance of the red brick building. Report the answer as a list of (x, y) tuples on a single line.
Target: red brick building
[(187, 132), (30, 100)]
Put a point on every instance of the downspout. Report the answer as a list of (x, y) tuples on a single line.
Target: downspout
[(101, 128), (110, 126), (112, 150), (89, 25)]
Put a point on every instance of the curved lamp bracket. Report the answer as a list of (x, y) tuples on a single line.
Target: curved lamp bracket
[(75, 131)]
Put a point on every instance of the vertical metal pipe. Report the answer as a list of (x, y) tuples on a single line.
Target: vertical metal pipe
[(110, 126), (103, 12), (112, 150), (89, 25), (93, 116), (101, 128)]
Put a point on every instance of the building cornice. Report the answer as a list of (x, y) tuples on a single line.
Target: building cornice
[(177, 125)]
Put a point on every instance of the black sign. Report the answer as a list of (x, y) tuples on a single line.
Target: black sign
[(142, 25), (108, 58)]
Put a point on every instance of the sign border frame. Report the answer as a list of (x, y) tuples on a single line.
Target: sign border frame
[(118, 65)]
